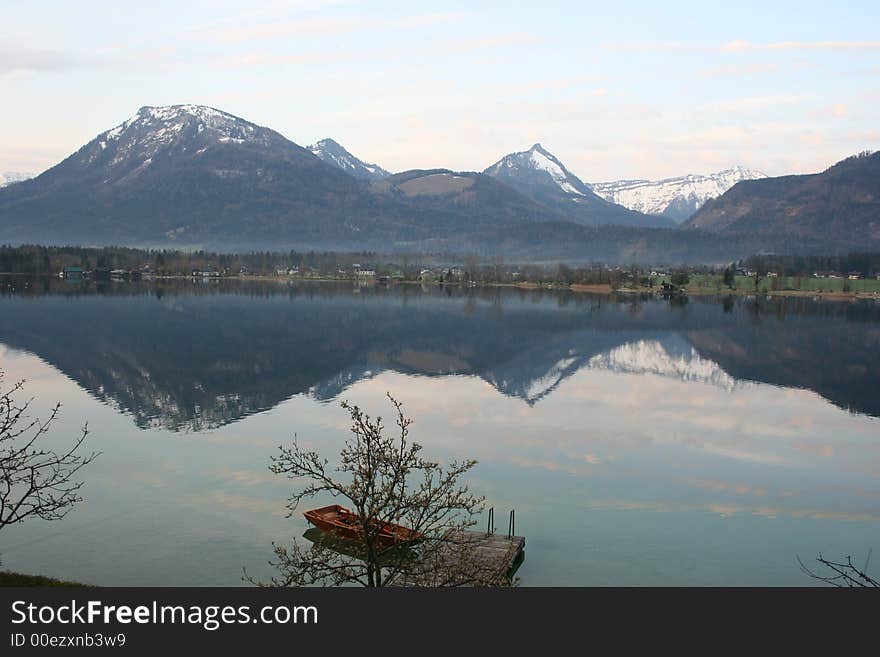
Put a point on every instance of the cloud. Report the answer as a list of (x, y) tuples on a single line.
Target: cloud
[(552, 84), (276, 59), (31, 155), (743, 46), (426, 19), (432, 49), (648, 46), (15, 59), (314, 27), (514, 39), (731, 488), (225, 501), (740, 45), (835, 111), (753, 103), (735, 71), (276, 10), (726, 510)]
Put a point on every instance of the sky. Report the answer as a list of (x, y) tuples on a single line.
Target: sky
[(615, 90)]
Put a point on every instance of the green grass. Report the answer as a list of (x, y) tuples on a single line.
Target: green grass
[(780, 283), (8, 578)]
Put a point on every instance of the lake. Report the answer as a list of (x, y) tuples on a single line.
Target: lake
[(641, 441)]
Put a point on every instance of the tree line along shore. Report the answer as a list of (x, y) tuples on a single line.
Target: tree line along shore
[(837, 276)]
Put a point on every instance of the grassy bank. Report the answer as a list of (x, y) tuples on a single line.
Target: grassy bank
[(8, 578), (782, 286), (829, 288)]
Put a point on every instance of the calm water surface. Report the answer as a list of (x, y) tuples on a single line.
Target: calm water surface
[(640, 441)]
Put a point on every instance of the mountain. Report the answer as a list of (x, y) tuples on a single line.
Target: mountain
[(255, 350), (190, 176), (676, 198), (9, 177), (455, 197), (186, 174), (538, 174), (834, 210), (333, 153)]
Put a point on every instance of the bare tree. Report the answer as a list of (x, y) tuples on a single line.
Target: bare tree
[(498, 275), (842, 573), (35, 482), (384, 479), (760, 273), (729, 276)]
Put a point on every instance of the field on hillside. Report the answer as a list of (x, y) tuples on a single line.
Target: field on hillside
[(712, 282)]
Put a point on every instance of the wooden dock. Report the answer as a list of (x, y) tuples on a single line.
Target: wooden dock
[(467, 558)]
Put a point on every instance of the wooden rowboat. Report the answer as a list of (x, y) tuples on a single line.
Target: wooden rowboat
[(344, 524), (392, 555)]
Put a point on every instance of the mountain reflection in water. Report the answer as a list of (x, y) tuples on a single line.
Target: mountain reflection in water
[(638, 439), (189, 357)]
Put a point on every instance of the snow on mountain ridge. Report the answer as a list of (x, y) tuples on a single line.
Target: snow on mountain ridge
[(334, 153), (543, 386), (539, 175), (677, 197), (159, 126), (538, 159), (140, 138), (673, 357)]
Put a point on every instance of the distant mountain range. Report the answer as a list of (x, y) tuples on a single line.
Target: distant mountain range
[(841, 205), (9, 177), (191, 176), (536, 174), (676, 198)]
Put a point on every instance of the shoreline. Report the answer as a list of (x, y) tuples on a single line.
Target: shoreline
[(586, 288), (837, 296)]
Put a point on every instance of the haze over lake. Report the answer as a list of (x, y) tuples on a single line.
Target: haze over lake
[(641, 441)]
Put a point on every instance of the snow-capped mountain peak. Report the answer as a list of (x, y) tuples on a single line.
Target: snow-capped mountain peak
[(539, 175), (677, 198), (545, 169), (155, 134), (162, 125), (334, 153), (541, 159)]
